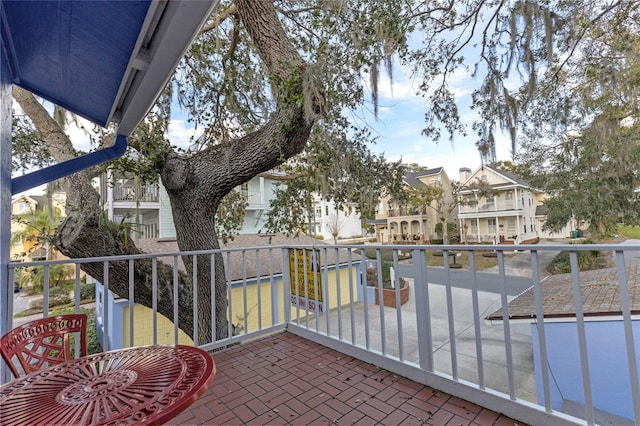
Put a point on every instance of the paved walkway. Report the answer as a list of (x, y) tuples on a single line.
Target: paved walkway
[(286, 379)]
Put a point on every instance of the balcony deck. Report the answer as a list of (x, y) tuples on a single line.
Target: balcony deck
[(287, 379), (293, 359)]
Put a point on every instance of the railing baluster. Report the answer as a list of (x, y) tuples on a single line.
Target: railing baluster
[(324, 284), (259, 287), (476, 318), (338, 293), (244, 291), (450, 315), (351, 297), (423, 316), (305, 280), (383, 334), (275, 305), (365, 293), (196, 322), (176, 306), (287, 295), (315, 264), (582, 339), (76, 292), (397, 287), (296, 285), (45, 295), (542, 341), (131, 301), (214, 308), (154, 298), (634, 378), (228, 266), (105, 305), (506, 325)]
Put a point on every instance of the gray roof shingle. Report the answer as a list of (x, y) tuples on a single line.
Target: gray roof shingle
[(600, 296)]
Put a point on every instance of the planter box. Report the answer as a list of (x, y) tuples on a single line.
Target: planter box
[(389, 295)]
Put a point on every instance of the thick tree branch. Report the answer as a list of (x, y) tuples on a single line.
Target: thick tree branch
[(219, 19), (59, 144)]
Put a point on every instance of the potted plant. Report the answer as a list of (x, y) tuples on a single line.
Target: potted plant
[(388, 291)]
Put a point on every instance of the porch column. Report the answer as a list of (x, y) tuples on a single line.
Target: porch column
[(6, 288), (262, 190)]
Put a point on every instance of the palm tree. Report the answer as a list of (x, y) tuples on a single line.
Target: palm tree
[(37, 231), (36, 234)]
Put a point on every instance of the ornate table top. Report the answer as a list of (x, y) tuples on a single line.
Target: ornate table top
[(140, 385)]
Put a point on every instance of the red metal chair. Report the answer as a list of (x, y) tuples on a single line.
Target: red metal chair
[(41, 343)]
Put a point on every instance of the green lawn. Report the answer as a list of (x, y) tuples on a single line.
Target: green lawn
[(630, 231)]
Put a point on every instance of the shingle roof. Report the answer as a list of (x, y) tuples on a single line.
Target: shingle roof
[(599, 289), (269, 261), (411, 178), (542, 210)]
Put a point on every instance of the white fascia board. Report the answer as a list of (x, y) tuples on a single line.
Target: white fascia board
[(173, 25)]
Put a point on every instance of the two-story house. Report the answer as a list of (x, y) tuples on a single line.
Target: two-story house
[(147, 207), (402, 223), (330, 221), (496, 206)]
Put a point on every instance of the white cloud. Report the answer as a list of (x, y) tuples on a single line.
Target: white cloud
[(182, 134), (80, 132)]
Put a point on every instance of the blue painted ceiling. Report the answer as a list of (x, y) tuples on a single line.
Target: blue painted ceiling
[(73, 53), (105, 60)]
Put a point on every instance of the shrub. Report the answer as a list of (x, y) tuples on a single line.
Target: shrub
[(54, 301), (386, 266), (385, 254), (88, 291), (58, 291), (587, 260), (93, 344)]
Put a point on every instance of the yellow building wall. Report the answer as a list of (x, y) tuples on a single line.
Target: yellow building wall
[(238, 304), (143, 328)]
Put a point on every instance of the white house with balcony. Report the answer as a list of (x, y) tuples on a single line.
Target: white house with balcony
[(499, 207), (330, 220), (401, 223), (258, 192), (126, 199)]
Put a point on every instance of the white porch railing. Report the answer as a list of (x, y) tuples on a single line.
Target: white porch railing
[(440, 337)]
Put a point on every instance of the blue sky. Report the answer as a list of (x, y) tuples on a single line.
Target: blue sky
[(401, 120)]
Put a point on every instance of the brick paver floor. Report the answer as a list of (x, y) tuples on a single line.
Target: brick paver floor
[(285, 379)]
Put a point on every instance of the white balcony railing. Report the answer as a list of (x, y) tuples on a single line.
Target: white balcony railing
[(255, 199), (132, 192), (456, 333), (498, 205)]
